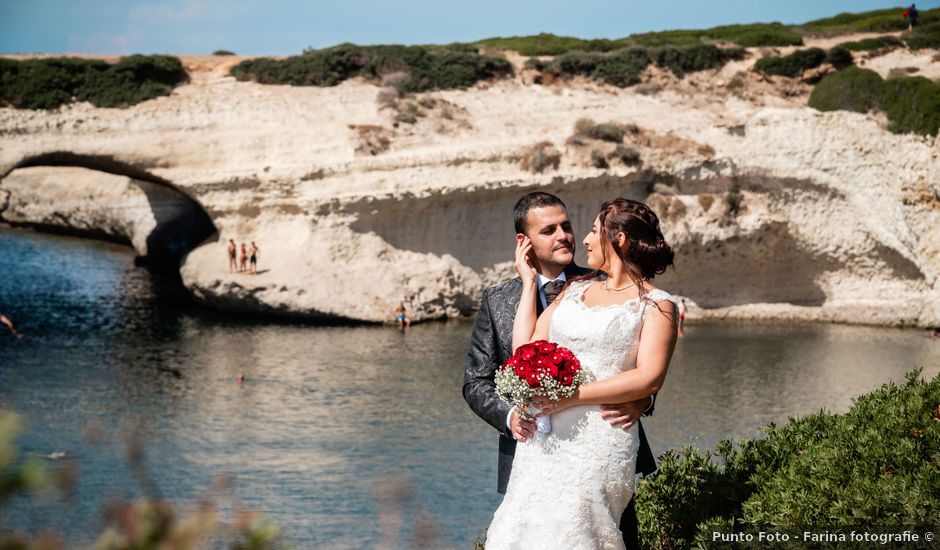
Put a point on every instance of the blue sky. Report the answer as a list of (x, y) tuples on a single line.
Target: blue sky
[(282, 27)]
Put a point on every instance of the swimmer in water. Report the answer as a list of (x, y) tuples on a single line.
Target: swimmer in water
[(9, 324)]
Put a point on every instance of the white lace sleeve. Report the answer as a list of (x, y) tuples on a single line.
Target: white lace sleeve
[(653, 298)]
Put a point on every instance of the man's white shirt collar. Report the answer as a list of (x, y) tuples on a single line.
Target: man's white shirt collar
[(543, 280)]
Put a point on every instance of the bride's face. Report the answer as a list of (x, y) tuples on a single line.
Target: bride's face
[(594, 246)]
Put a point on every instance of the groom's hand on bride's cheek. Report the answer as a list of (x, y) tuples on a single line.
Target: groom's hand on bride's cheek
[(522, 428), (624, 415)]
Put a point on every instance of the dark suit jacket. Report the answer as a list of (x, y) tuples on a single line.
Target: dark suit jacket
[(490, 346)]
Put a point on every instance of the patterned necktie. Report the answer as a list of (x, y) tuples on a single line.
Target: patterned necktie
[(551, 290)]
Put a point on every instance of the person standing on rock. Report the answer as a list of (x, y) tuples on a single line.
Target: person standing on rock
[(543, 219), (912, 15), (243, 260), (232, 256), (253, 260)]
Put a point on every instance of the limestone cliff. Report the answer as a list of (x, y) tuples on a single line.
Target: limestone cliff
[(776, 211)]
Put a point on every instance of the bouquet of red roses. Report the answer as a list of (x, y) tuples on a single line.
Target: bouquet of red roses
[(540, 368)]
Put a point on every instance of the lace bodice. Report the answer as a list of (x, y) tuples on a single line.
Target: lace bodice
[(604, 338)]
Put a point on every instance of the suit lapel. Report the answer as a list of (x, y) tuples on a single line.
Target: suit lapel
[(510, 301)]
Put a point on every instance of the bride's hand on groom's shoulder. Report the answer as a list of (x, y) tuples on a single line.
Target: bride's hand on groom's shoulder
[(523, 263)]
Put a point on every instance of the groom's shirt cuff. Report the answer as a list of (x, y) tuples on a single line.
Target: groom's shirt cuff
[(508, 418)]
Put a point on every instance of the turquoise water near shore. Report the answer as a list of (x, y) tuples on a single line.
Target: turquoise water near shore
[(333, 423)]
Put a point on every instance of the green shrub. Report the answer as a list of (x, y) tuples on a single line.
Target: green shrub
[(49, 83), (607, 132), (575, 64), (695, 58), (876, 465), (758, 34), (598, 160), (623, 67), (131, 80), (619, 68), (773, 35), (839, 57), (912, 105), (627, 155), (44, 83), (540, 157), (791, 65), (429, 67), (853, 89), (924, 37), (749, 35), (223, 52), (549, 44), (869, 44), (888, 20)]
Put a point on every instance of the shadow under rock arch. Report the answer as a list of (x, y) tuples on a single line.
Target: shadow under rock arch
[(178, 230)]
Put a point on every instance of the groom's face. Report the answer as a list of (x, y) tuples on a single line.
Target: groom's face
[(549, 229)]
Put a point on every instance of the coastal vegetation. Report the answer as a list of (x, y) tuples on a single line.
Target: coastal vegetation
[(876, 465), (747, 35), (619, 62), (888, 20), (869, 44), (926, 36), (609, 131), (421, 68), (760, 34), (791, 65), (50, 83), (912, 104), (625, 67)]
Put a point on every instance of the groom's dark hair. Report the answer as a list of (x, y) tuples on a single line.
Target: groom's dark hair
[(535, 199)]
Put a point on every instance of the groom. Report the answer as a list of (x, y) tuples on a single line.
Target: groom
[(543, 218)]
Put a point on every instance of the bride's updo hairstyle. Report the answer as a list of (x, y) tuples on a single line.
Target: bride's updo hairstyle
[(645, 253)]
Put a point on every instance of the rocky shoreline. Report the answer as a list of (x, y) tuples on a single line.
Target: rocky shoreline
[(776, 211)]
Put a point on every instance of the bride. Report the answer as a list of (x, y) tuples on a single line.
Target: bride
[(569, 487)]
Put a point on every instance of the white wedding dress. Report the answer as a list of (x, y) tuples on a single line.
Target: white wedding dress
[(568, 488)]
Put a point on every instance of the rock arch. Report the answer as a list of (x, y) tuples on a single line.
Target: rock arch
[(100, 196)]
